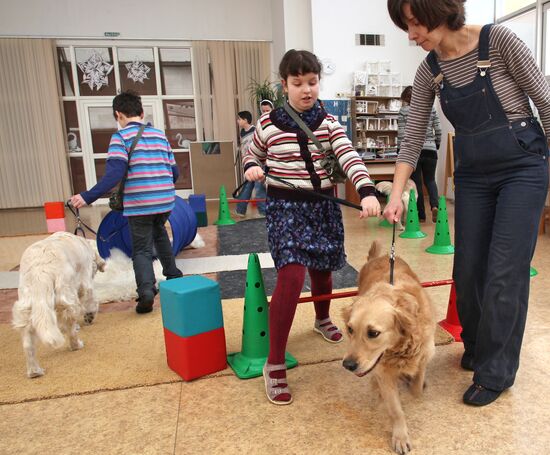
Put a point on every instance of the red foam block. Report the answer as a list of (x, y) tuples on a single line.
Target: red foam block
[(197, 355), (54, 210)]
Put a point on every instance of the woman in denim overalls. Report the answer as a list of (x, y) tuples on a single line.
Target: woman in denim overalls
[(501, 182)]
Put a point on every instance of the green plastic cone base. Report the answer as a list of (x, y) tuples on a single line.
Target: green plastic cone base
[(247, 367), (441, 249), (385, 223), (412, 228), (224, 216), (255, 342), (533, 272), (442, 238)]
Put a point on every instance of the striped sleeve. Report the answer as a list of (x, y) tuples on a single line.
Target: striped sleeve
[(524, 69), (418, 119), (117, 148), (170, 154), (256, 152), (351, 162)]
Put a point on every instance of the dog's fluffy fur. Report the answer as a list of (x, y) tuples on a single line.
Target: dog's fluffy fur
[(391, 334), (55, 292), (386, 187)]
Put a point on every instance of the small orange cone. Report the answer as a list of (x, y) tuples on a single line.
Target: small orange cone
[(451, 323)]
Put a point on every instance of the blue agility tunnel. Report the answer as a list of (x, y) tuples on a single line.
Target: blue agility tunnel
[(113, 232)]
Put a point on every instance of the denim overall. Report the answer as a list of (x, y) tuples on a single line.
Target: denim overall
[(501, 182)]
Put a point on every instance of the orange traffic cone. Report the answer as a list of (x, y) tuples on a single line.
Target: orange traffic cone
[(451, 323)]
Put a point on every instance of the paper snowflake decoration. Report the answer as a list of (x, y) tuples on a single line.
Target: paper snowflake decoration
[(95, 71), (137, 71)]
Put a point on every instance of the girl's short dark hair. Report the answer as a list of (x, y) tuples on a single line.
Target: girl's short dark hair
[(430, 13), (128, 103), (245, 115), (297, 63), (406, 94)]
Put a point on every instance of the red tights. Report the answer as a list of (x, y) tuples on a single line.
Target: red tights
[(290, 280)]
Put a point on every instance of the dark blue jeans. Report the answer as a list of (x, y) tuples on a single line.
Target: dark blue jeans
[(425, 172), (499, 195), (246, 193), (148, 231)]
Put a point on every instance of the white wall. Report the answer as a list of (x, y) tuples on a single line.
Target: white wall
[(334, 29), (138, 19), (480, 12)]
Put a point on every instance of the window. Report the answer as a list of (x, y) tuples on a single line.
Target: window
[(95, 71), (137, 70), (525, 26), (175, 70), (507, 7)]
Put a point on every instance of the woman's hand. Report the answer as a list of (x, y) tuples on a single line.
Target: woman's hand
[(394, 209), (254, 174), (370, 207)]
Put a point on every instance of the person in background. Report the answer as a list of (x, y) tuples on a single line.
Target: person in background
[(427, 162), (149, 193), (246, 133), (484, 77), (266, 106), (305, 231)]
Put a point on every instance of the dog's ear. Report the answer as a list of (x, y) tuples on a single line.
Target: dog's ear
[(346, 313), (99, 262), (405, 313)]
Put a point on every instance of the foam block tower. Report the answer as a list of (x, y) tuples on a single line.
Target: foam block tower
[(193, 326), (55, 216), (198, 204)]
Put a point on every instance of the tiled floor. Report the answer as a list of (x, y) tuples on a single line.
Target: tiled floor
[(333, 411)]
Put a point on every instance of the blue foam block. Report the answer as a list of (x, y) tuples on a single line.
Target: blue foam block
[(197, 202), (191, 305)]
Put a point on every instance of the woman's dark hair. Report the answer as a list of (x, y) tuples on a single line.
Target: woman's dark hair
[(406, 94), (297, 63), (430, 13), (128, 103), (245, 115)]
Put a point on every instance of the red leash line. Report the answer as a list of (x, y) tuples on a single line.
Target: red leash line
[(236, 201), (343, 295)]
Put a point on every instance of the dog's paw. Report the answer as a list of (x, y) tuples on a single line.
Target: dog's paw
[(401, 443), (89, 318), (35, 372), (79, 344)]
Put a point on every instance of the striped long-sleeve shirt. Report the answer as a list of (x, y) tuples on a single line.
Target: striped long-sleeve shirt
[(514, 74), (279, 149), (433, 132), (149, 187)]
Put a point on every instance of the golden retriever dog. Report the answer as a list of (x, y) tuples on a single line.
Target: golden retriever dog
[(386, 187), (391, 334), (55, 293)]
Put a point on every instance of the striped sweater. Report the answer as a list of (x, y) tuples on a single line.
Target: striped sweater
[(291, 155), (149, 187), (514, 74), (433, 132)]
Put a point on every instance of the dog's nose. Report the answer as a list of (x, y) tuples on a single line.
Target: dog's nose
[(350, 364)]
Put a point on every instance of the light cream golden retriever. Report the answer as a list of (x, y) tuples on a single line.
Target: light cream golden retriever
[(55, 292), (386, 187), (391, 334)]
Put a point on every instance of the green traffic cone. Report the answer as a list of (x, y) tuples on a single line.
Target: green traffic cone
[(385, 222), (412, 229), (224, 218), (442, 238), (533, 272), (255, 344)]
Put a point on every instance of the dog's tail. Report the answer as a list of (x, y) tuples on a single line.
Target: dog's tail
[(375, 250), (37, 309)]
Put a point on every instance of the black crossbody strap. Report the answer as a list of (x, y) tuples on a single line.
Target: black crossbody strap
[(303, 127), (132, 147)]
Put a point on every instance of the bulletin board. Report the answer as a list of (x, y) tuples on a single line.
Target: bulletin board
[(212, 165)]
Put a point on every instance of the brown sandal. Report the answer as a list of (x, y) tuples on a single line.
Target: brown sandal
[(327, 330), (273, 388)]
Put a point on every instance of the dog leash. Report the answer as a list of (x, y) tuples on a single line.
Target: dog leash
[(303, 190), (392, 255), (80, 225)]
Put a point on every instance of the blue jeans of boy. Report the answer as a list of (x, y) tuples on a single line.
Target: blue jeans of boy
[(260, 193)]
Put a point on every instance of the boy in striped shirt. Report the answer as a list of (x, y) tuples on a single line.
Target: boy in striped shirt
[(149, 193)]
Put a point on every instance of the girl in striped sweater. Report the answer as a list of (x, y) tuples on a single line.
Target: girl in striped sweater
[(304, 230), (484, 77)]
